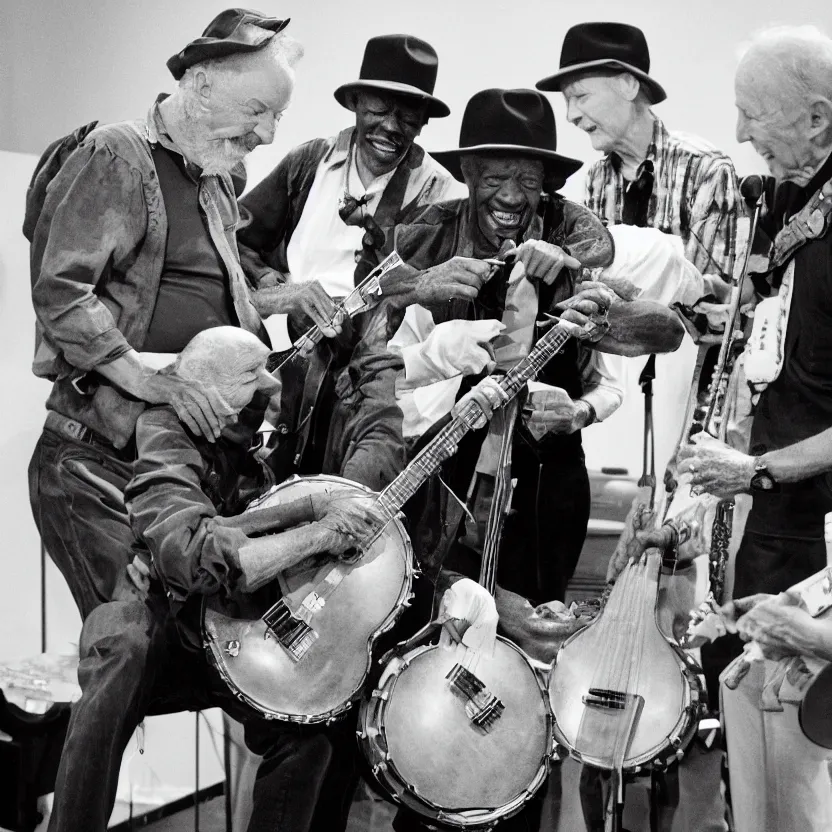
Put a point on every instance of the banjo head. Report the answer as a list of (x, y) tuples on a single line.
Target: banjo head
[(329, 676), (438, 762)]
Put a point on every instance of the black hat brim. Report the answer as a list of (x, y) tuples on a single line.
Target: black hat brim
[(553, 163), (436, 108), (554, 83)]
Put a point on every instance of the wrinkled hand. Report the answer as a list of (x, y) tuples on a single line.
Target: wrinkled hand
[(473, 612), (352, 520), (538, 631), (543, 261), (463, 346), (303, 302), (781, 628), (732, 611), (552, 411), (199, 407), (586, 312), (715, 468), (487, 396), (459, 277), (660, 538)]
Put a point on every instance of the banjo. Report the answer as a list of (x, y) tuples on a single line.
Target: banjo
[(455, 735), (305, 658), (624, 696)]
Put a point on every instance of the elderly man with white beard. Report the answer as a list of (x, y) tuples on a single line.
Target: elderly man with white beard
[(133, 253), (783, 86)]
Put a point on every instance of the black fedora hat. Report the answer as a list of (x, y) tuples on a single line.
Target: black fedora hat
[(223, 36), (508, 123), (589, 46), (401, 64)]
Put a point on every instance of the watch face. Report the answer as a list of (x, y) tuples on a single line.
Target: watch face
[(762, 481)]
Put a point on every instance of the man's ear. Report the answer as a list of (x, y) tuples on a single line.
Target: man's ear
[(202, 86), (628, 85), (820, 119)]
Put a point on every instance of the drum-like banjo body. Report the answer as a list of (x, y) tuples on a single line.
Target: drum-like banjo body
[(620, 688), (427, 749), (306, 658)]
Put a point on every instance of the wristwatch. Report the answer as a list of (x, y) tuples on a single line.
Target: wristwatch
[(763, 479)]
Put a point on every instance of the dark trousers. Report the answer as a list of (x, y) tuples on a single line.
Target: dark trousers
[(77, 494), (132, 663)]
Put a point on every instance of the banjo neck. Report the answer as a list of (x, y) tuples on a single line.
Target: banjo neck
[(443, 446)]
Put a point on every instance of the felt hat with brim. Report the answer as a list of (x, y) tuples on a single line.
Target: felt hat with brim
[(401, 64), (605, 46), (231, 32), (509, 123)]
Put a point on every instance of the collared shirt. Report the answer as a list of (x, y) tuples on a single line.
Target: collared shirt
[(695, 197), (278, 205), (323, 246)]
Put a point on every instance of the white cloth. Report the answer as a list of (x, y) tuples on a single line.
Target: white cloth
[(468, 601), (765, 350), (323, 246), (655, 263), (779, 780), (425, 395)]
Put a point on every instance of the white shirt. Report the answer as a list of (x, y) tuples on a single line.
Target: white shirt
[(655, 263), (424, 404), (323, 246)]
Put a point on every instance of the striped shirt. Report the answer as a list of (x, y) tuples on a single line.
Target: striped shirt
[(695, 197)]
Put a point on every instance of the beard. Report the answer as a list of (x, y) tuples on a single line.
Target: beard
[(214, 156)]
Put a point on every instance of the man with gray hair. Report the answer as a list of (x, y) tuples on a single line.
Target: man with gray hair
[(133, 253), (783, 87)]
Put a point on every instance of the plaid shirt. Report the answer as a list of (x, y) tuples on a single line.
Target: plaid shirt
[(695, 197)]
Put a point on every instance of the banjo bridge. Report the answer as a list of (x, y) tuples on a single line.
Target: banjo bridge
[(294, 634), (613, 700), (482, 707)]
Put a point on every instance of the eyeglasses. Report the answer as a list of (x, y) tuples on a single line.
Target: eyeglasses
[(351, 212), (637, 195)]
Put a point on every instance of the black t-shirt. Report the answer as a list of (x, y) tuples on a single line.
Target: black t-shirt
[(799, 403), (194, 292)]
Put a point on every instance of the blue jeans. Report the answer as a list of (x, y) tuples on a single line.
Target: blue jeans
[(77, 494), (133, 664)]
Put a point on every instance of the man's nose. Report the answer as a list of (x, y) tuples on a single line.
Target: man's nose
[(510, 194), (742, 128), (572, 114), (266, 127), (267, 382)]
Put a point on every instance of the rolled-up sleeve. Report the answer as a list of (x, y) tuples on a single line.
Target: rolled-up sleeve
[(193, 553), (94, 218), (715, 207), (603, 380)]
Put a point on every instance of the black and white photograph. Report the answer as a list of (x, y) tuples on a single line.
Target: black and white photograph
[(417, 416)]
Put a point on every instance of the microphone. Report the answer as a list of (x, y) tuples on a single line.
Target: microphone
[(752, 188)]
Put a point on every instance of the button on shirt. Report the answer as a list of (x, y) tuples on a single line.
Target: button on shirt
[(323, 246)]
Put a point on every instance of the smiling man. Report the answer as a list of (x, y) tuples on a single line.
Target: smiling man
[(648, 176), (317, 222), (133, 254), (783, 90), (508, 158)]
